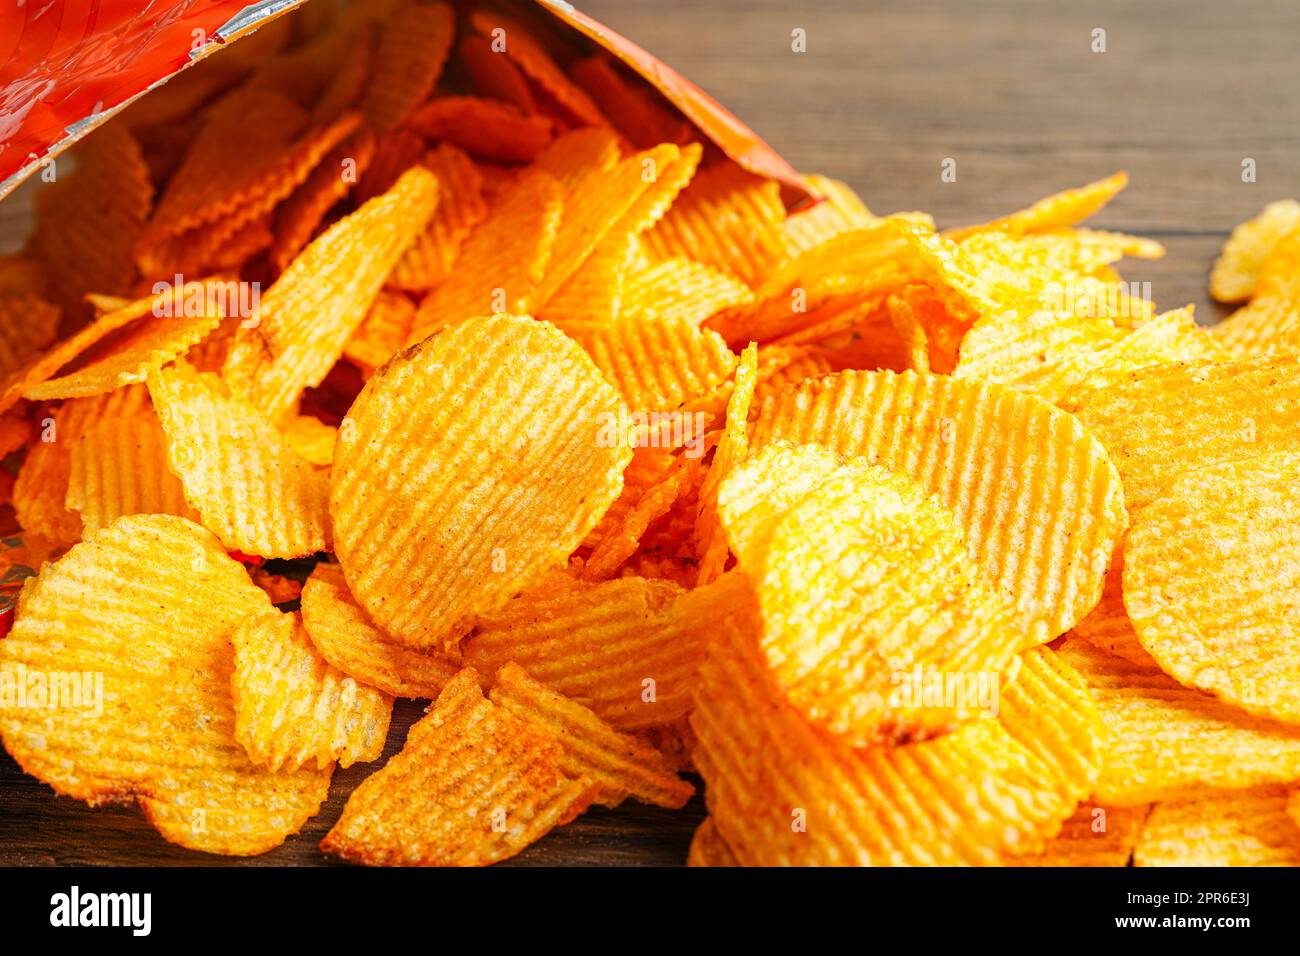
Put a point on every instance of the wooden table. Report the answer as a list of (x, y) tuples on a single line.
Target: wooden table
[(886, 91)]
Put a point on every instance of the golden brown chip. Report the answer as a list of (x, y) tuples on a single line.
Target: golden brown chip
[(88, 222), (1037, 499), (877, 625), (304, 321), (41, 490), (119, 467), (679, 288), (780, 792), (1093, 836), (1243, 828), (28, 324), (1062, 209), (1159, 417), (839, 211), (384, 331), (501, 441), (350, 641), (473, 785), (627, 648), (1270, 323), (503, 258), (727, 218), (1024, 350), (711, 540), (239, 472), (1236, 270), (1108, 626), (708, 848), (486, 128), (460, 208), (413, 46), (311, 439), (622, 765), (592, 298), (1166, 741), (1212, 582), (147, 605), (293, 709)]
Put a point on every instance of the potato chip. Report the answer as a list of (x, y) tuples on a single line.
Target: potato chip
[(727, 218), (1156, 417), (413, 45), (531, 56), (1270, 323), (1024, 350), (842, 629), (15, 432), (460, 209), (293, 709), (627, 648), (495, 489), (22, 275), (1093, 836), (118, 466), (253, 491), (784, 366), (28, 325), (311, 439), (87, 222), (1223, 626), (649, 466), (595, 207), (781, 792), (130, 356), (708, 848), (504, 257), (1062, 209), (1041, 524), (665, 186), (383, 332), (1245, 828), (1166, 741), (473, 785), (573, 156), (1108, 626), (305, 319), (622, 765), (839, 211), (297, 218), (349, 641), (148, 604), (494, 75), (40, 493), (622, 537), (1167, 339), (593, 295), (637, 110), (710, 537), (1237, 269), (658, 364), (490, 129), (396, 151), (681, 289)]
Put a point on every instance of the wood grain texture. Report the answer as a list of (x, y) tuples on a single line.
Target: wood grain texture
[(885, 92)]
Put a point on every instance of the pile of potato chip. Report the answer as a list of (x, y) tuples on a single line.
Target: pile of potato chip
[(919, 547)]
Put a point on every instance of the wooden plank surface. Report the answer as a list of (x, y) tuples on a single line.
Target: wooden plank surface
[(884, 94)]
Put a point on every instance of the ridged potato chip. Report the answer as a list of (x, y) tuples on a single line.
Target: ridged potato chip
[(1165, 741), (679, 288), (505, 257), (238, 471), (383, 332), (494, 490), (1224, 625), (148, 604), (473, 785), (486, 128), (627, 648), (28, 324), (727, 218), (1037, 499), (292, 708), (1023, 350), (1156, 418), (311, 439), (350, 641), (1236, 270), (708, 848), (1093, 836), (622, 537), (839, 211), (592, 298), (711, 540), (1243, 828), (493, 75), (622, 765), (781, 792), (119, 467), (304, 321), (461, 207), (1061, 209), (413, 46), (1270, 323), (1108, 626), (863, 583)]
